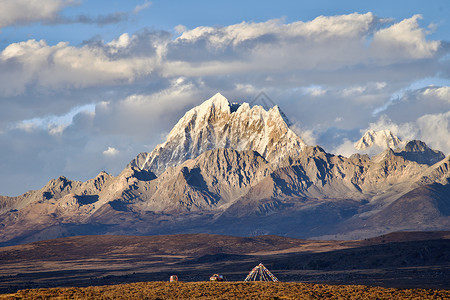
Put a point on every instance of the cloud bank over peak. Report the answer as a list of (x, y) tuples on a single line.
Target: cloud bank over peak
[(325, 43), (321, 45)]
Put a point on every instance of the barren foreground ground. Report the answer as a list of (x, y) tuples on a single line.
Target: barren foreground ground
[(228, 290), (398, 260)]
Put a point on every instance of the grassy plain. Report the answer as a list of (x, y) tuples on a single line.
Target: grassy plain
[(228, 290)]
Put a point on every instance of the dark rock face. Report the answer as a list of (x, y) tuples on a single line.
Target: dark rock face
[(419, 152)]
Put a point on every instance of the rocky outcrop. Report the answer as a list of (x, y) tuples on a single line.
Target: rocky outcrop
[(419, 152)]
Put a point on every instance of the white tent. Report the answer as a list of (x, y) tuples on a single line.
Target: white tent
[(260, 273)]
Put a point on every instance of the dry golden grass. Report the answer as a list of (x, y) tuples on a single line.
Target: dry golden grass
[(228, 290)]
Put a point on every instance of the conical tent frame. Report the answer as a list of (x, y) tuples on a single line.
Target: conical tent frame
[(260, 273)]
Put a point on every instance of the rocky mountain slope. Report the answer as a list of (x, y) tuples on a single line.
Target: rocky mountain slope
[(240, 170)]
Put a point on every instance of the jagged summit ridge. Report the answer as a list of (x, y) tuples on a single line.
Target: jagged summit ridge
[(378, 140), (218, 124), (382, 139)]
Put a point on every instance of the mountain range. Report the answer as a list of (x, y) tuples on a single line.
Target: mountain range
[(240, 170)]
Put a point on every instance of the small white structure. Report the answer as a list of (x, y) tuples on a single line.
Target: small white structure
[(260, 273)]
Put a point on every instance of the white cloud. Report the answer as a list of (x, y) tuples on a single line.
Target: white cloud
[(346, 149), (56, 129), (320, 29), (122, 42), (24, 12), (62, 66), (180, 28), (368, 88), (404, 40), (322, 47), (316, 91), (307, 136), (55, 125), (26, 126), (111, 151), (442, 93), (18, 12), (380, 85), (145, 116), (435, 130), (415, 100), (141, 7), (325, 43), (351, 91)]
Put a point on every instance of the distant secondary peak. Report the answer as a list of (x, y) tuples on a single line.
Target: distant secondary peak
[(416, 146), (382, 139), (419, 152)]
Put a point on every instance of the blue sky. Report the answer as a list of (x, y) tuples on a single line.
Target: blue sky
[(87, 85)]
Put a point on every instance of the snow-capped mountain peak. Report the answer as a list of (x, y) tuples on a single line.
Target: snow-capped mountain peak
[(382, 139), (216, 103), (218, 124)]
